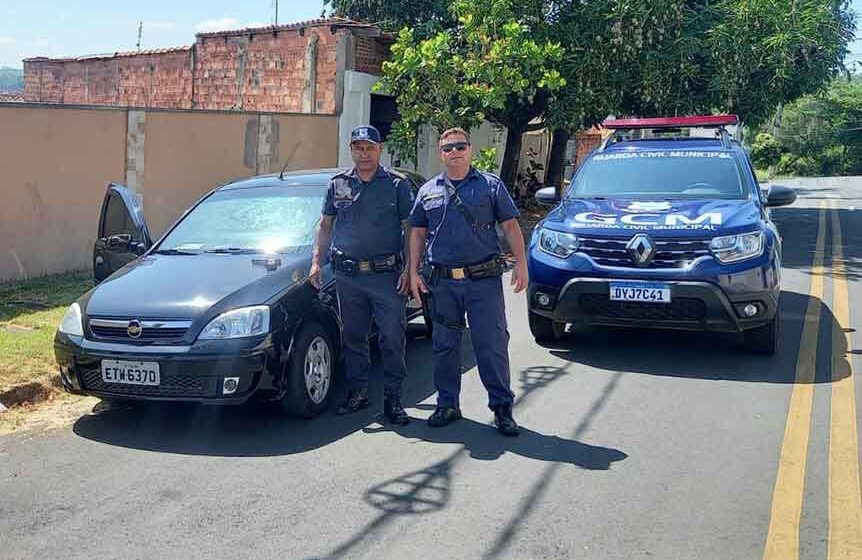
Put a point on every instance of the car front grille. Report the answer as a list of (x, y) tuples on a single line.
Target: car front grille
[(170, 386), (669, 253), (151, 331), (600, 306)]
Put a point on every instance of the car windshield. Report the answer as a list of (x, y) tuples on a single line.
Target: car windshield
[(660, 175), (261, 219)]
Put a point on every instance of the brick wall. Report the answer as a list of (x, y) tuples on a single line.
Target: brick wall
[(252, 70), (151, 79)]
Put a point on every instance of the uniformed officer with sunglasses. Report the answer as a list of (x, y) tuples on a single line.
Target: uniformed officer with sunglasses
[(364, 230), (453, 223)]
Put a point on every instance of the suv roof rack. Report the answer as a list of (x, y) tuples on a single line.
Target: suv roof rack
[(665, 123)]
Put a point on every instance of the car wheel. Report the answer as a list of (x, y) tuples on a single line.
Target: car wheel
[(544, 329), (764, 339), (310, 373)]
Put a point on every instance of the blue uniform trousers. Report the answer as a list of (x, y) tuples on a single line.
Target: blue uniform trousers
[(482, 301), (359, 298)]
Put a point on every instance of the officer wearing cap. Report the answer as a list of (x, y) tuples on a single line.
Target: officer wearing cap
[(363, 230), (454, 223)]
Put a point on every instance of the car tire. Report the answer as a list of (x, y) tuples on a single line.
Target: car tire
[(764, 339), (310, 373), (544, 329)]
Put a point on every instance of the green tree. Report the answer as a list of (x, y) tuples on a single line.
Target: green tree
[(424, 16), (765, 151), (487, 67)]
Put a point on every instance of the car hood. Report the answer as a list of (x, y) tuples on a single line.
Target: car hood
[(187, 286), (686, 218)]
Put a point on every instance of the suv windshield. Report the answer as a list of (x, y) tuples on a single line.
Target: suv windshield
[(660, 175), (262, 219)]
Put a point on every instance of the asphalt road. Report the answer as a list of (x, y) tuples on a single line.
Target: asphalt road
[(635, 445)]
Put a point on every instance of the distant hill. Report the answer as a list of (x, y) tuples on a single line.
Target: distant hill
[(11, 79)]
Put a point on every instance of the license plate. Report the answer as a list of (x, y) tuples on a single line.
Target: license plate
[(649, 293), (130, 373)]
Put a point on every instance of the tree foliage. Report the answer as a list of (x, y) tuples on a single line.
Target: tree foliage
[(765, 151), (11, 79)]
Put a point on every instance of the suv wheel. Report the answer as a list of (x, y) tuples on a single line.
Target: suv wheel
[(310, 373), (544, 329), (763, 339)]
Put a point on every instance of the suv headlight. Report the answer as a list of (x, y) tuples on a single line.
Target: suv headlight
[(735, 248), (239, 323), (558, 243), (72, 323)]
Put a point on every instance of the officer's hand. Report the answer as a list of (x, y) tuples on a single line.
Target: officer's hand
[(520, 277), (417, 285), (314, 275), (404, 283)]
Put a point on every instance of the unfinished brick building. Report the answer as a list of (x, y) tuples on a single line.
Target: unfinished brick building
[(287, 68)]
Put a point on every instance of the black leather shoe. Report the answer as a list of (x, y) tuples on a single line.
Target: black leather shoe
[(394, 412), (506, 425), (355, 401), (443, 415)]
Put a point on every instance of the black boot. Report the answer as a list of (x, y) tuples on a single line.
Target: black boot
[(444, 415), (506, 425), (394, 411), (356, 400)]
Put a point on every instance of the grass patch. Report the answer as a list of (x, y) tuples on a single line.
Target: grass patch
[(30, 312)]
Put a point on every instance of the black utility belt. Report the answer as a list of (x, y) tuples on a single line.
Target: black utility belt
[(349, 266), (488, 269)]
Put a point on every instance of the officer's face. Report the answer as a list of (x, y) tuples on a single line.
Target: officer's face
[(366, 155), (455, 151)]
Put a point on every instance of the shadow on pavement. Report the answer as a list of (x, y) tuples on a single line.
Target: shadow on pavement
[(254, 430)]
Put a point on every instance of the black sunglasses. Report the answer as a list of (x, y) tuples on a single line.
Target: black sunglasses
[(460, 146)]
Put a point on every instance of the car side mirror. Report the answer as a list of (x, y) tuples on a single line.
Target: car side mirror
[(547, 196), (121, 240), (779, 195)]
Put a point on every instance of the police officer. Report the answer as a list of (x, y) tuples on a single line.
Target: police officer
[(364, 228), (454, 221)]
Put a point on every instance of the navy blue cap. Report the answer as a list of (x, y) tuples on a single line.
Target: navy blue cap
[(365, 132)]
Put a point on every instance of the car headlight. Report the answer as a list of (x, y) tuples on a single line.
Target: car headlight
[(72, 323), (239, 323), (735, 248), (558, 243)]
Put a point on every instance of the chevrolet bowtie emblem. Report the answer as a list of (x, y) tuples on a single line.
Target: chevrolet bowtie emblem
[(641, 249), (134, 329)]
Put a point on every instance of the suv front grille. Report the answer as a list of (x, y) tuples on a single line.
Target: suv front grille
[(669, 253), (151, 331), (679, 309)]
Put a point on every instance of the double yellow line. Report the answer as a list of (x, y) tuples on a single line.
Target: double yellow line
[(845, 501)]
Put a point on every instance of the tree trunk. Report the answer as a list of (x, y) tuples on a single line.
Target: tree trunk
[(557, 162), (509, 169)]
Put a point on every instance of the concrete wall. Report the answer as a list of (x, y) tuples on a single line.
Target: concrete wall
[(55, 162)]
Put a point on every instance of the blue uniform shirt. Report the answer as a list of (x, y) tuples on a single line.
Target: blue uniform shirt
[(368, 216), (452, 239)]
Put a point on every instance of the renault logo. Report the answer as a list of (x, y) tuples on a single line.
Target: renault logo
[(641, 249), (134, 329)]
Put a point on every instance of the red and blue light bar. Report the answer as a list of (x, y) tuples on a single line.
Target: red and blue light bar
[(671, 122)]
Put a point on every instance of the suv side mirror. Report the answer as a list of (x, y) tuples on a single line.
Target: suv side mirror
[(547, 196), (121, 240), (779, 195)]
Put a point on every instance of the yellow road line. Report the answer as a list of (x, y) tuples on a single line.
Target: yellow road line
[(782, 540), (845, 500)]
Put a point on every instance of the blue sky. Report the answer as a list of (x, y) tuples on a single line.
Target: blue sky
[(54, 28)]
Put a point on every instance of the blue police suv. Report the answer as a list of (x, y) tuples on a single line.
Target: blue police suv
[(661, 228)]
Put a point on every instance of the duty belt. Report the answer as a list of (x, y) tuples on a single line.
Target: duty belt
[(487, 269), (349, 266)]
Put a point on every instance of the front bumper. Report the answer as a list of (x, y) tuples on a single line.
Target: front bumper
[(187, 373), (694, 305)]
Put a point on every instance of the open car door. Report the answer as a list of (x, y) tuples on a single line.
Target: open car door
[(123, 233)]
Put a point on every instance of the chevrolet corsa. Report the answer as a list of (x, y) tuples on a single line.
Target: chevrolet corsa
[(219, 310)]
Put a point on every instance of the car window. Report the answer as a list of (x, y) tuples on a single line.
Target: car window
[(660, 174), (269, 219), (117, 219)]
